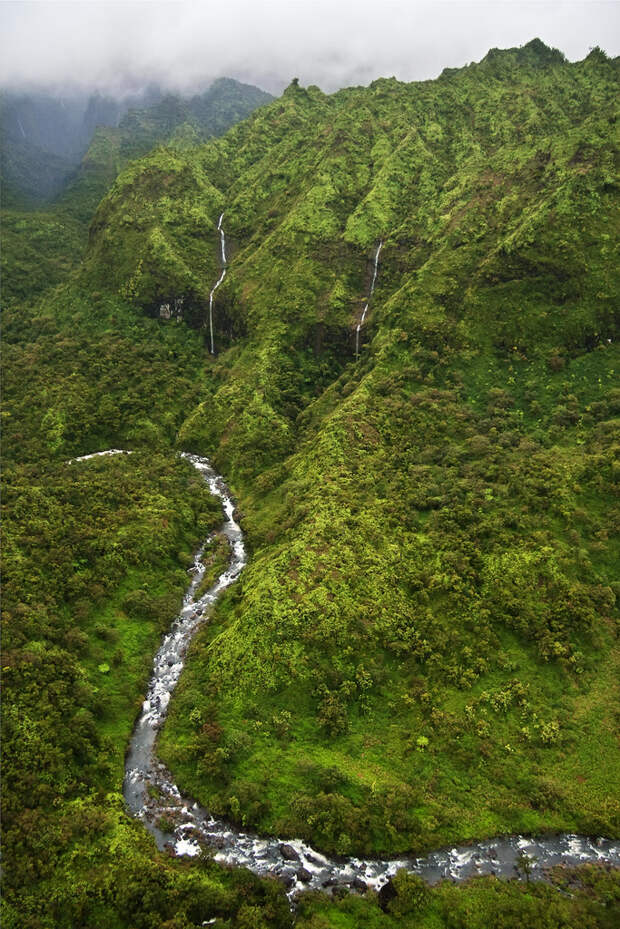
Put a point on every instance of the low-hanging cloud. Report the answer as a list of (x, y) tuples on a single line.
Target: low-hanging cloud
[(121, 46)]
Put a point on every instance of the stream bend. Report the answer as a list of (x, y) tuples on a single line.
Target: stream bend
[(151, 794)]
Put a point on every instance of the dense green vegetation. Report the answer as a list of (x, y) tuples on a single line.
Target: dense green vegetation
[(588, 897), (43, 240), (424, 642), (423, 647), (99, 376), (39, 248), (95, 564)]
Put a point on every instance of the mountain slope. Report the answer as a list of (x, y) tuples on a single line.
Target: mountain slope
[(423, 646), (174, 120), (42, 242), (428, 607), (45, 137)]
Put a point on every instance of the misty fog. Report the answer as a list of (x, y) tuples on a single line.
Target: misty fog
[(121, 47)]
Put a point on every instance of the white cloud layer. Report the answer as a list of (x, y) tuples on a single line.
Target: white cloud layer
[(332, 43)]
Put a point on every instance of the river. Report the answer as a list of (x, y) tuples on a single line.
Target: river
[(152, 796)]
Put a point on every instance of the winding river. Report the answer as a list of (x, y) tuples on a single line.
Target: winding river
[(152, 796)]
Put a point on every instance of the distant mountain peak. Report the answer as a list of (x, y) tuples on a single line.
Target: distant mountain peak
[(534, 52)]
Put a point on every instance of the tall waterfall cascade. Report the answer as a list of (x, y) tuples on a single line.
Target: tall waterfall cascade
[(220, 229), (372, 288)]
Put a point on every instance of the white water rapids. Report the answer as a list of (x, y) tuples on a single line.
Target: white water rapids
[(151, 793), (220, 229), (365, 310)]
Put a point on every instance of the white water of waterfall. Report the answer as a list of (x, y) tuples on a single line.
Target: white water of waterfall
[(372, 287), (219, 281), (222, 239)]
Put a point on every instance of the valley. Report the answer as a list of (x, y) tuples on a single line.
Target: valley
[(392, 326)]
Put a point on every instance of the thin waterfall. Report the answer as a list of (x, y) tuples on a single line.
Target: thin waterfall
[(372, 287), (219, 281), (222, 239)]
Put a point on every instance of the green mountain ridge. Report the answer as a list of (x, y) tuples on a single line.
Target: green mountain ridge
[(423, 647), (45, 137), (43, 240), (173, 120), (489, 188)]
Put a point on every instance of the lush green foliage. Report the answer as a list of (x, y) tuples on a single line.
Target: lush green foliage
[(590, 897), (430, 598), (38, 250), (95, 563), (423, 647), (95, 556), (99, 376), (41, 244)]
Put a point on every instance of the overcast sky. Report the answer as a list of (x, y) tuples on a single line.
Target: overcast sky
[(119, 45)]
